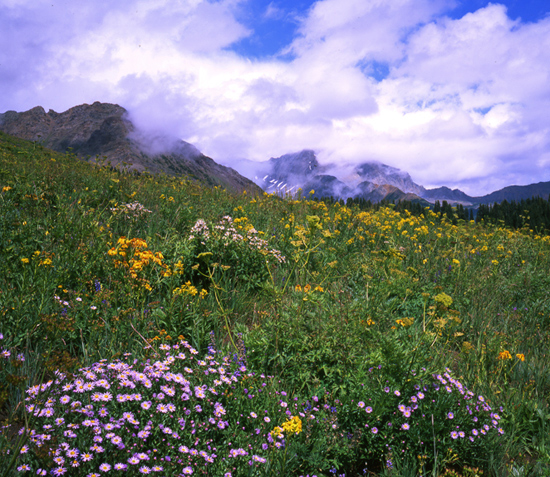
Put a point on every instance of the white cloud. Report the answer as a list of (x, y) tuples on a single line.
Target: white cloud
[(464, 102), (273, 12)]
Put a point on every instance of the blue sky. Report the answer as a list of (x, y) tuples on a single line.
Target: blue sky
[(456, 93), (274, 24)]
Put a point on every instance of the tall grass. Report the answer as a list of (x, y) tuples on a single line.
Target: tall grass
[(326, 309)]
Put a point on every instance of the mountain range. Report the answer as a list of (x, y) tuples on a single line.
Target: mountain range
[(371, 181), (103, 131)]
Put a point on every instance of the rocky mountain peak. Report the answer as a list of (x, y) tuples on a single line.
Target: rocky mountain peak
[(100, 129), (381, 174), (303, 163)]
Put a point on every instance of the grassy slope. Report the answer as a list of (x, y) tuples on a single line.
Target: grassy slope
[(357, 289)]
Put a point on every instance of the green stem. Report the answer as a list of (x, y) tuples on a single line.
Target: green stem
[(222, 310)]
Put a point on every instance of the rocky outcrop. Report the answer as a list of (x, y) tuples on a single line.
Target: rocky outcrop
[(382, 174), (103, 131)]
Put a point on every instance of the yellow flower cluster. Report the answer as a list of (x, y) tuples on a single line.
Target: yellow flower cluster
[(443, 299), (189, 289), (45, 261), (141, 256), (506, 355), (292, 426), (307, 288), (405, 322)]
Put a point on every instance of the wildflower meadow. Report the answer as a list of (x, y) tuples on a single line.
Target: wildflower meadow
[(152, 325)]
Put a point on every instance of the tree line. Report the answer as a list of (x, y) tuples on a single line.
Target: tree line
[(533, 213)]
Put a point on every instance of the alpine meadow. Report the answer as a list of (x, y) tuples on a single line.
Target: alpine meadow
[(153, 325)]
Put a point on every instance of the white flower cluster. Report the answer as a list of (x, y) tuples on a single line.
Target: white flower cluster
[(134, 209), (228, 234), (200, 229)]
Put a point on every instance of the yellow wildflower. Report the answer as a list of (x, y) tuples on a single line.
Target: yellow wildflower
[(405, 322), (504, 355), (444, 299), (292, 426), (520, 356)]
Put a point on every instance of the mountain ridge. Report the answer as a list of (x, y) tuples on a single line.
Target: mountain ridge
[(104, 130), (374, 182)]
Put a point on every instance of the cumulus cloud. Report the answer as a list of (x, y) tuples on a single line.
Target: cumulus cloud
[(454, 101)]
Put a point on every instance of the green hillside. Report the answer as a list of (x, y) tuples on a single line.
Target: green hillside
[(153, 325)]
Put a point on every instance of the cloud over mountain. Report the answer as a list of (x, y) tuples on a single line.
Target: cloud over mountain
[(460, 101)]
